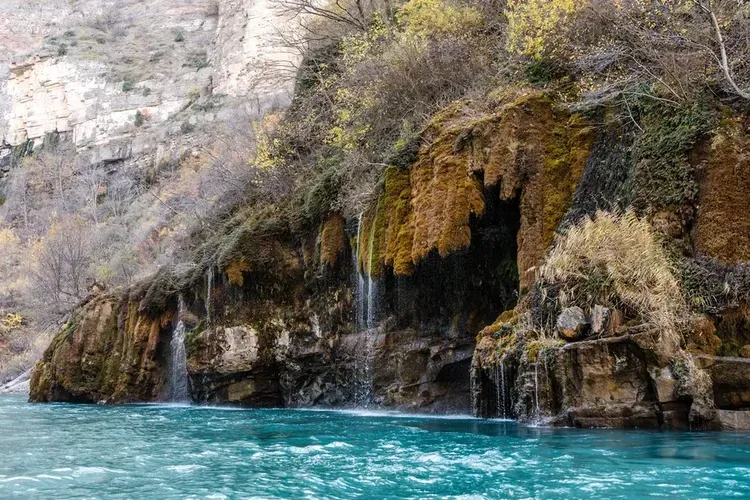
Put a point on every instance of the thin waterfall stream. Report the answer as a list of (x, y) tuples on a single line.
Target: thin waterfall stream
[(366, 318), (178, 375)]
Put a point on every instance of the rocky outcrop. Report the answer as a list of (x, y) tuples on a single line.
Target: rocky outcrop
[(107, 352), (384, 310)]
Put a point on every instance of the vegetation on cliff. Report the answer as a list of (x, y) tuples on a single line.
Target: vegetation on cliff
[(604, 129)]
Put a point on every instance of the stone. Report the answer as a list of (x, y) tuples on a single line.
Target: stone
[(572, 323), (734, 420), (665, 384), (616, 321), (600, 316), (731, 380)]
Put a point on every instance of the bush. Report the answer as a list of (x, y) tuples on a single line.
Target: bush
[(179, 38), (140, 118), (187, 127), (128, 85), (615, 261)]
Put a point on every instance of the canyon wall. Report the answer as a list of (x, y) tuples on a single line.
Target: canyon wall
[(90, 70)]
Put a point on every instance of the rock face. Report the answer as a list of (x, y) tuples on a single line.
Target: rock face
[(78, 84), (107, 352), (285, 336), (387, 314)]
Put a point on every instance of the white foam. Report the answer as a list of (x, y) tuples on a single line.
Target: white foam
[(184, 469)]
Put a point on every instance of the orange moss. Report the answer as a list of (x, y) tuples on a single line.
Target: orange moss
[(445, 191), (235, 271), (529, 147), (723, 227), (399, 231), (332, 239)]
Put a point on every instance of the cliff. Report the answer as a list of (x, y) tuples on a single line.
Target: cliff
[(437, 227), (385, 310)]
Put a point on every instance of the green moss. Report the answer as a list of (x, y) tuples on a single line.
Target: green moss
[(542, 349), (662, 174)]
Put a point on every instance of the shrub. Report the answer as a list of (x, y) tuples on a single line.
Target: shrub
[(616, 261), (140, 118), (663, 175), (179, 38), (62, 50), (128, 85), (187, 127)]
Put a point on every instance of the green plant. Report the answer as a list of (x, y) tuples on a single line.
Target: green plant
[(186, 127), (197, 60), (128, 85), (62, 50), (147, 91), (179, 38), (662, 173), (140, 118)]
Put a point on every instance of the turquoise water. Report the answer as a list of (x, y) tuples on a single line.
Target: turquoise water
[(151, 451)]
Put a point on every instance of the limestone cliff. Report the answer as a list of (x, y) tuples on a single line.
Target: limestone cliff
[(88, 68)]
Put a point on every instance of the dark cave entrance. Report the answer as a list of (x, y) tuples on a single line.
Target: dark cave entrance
[(447, 301), (466, 291)]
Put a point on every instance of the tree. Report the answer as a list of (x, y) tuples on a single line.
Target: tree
[(707, 6), (61, 272)]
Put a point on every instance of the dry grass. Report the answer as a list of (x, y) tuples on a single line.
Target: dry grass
[(616, 261)]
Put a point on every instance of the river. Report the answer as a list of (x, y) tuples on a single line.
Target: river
[(163, 451)]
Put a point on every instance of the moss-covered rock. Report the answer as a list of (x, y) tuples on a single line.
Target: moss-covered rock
[(108, 352)]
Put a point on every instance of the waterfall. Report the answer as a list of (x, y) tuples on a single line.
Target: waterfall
[(372, 289), (365, 320), (498, 403), (536, 387), (360, 282), (473, 389), (504, 390), (209, 286), (178, 375)]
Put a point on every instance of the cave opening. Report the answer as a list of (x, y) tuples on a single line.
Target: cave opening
[(462, 293)]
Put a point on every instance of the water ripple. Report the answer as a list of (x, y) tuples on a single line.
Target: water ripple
[(178, 451)]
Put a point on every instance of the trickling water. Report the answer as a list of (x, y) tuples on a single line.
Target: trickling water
[(365, 306), (473, 393), (178, 375), (498, 402), (209, 287), (536, 387), (503, 391), (372, 290), (360, 282)]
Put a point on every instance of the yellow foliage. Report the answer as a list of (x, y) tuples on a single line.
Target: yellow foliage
[(425, 18), (8, 237), (267, 154), (235, 271), (11, 321), (534, 24)]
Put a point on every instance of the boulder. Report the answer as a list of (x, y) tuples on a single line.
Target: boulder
[(572, 323)]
